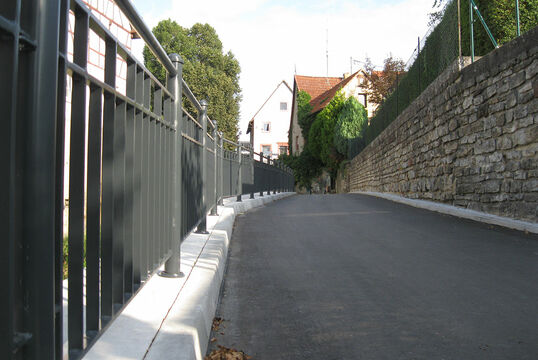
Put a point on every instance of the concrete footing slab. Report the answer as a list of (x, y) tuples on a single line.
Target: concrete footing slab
[(171, 318), (459, 212)]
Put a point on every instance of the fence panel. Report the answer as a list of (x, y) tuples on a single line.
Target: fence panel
[(142, 173)]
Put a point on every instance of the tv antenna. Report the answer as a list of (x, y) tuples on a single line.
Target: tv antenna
[(327, 48)]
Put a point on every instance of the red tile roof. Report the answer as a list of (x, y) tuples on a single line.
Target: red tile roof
[(319, 102), (314, 85)]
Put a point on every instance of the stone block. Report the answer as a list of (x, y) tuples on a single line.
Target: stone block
[(495, 157), (484, 146), (525, 136), (520, 175), (520, 111), (504, 143), (532, 70), (490, 186), (530, 186), (516, 79)]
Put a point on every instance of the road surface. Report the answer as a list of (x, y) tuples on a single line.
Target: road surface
[(357, 277)]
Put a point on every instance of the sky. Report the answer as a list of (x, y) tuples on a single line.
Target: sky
[(275, 39)]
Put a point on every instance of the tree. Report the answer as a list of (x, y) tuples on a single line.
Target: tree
[(305, 167), (321, 134), (210, 73), (304, 110), (499, 15), (381, 83), (351, 123)]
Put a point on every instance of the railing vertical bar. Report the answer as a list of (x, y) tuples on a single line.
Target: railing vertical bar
[(93, 212), (239, 173), (166, 176), (9, 309), (139, 85), (158, 191), (130, 90), (137, 203), (107, 213), (128, 203), (169, 193), (59, 175), (76, 216), (152, 216), (158, 102), (119, 207), (221, 162), (77, 163), (147, 91), (145, 198), (202, 227)]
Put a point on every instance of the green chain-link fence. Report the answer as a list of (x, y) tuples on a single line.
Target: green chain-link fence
[(440, 47)]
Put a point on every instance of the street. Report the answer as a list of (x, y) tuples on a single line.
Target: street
[(356, 277)]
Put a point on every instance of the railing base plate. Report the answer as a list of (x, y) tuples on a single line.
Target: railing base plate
[(165, 274)]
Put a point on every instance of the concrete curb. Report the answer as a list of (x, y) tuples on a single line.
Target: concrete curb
[(459, 212), (171, 318)]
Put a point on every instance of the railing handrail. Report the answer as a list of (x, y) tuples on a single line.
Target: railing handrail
[(230, 142), (188, 93), (146, 34)]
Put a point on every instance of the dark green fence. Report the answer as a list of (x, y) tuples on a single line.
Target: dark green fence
[(441, 47), (143, 173)]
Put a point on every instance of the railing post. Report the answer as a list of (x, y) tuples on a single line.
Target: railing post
[(221, 171), (280, 177), (215, 169), (252, 171), (172, 265), (261, 178), (239, 178), (269, 180), (275, 177), (202, 227), (471, 30)]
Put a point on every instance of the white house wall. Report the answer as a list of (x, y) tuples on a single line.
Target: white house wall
[(279, 121)]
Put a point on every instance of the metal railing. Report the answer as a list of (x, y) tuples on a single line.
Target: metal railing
[(143, 173)]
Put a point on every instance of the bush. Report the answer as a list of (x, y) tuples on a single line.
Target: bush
[(350, 123)]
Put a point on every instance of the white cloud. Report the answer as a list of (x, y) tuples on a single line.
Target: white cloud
[(272, 38)]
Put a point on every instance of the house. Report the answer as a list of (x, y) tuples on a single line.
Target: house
[(321, 91), (268, 128)]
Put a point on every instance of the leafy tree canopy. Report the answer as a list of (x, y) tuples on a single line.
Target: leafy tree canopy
[(381, 83), (500, 16), (321, 134), (351, 123), (211, 74), (306, 167), (304, 110)]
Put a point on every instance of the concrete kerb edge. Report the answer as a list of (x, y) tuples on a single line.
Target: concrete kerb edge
[(458, 212), (172, 318)]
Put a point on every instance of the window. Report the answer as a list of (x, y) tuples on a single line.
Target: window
[(297, 143), (283, 106), (283, 150), (266, 150), (266, 127)]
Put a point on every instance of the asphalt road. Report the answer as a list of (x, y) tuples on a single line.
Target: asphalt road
[(357, 277)]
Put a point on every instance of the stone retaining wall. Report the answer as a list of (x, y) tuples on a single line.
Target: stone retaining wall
[(470, 139)]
